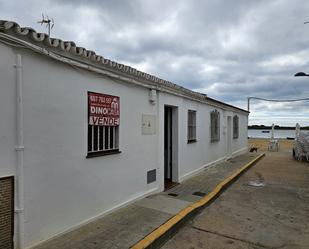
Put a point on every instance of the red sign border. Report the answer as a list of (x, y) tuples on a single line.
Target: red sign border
[(88, 103)]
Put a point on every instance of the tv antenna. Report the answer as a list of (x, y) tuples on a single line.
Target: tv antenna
[(48, 21)]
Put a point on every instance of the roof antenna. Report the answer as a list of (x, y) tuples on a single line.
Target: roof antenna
[(49, 23)]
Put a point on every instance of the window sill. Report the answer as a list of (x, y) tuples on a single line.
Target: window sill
[(192, 141), (102, 153)]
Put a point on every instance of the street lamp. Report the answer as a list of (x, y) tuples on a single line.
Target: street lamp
[(301, 74)]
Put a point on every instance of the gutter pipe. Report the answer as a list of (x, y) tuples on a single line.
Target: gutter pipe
[(19, 209)]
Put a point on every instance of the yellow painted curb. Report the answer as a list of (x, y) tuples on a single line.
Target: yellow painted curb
[(158, 232)]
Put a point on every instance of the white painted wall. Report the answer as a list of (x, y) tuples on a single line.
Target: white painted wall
[(241, 144), (195, 156), (7, 112), (64, 189)]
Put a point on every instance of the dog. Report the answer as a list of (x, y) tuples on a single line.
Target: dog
[(252, 149)]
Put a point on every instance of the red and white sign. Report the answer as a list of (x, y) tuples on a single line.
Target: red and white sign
[(104, 109)]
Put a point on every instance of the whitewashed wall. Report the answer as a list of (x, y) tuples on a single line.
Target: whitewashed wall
[(8, 157), (241, 144), (64, 189), (7, 112), (193, 157)]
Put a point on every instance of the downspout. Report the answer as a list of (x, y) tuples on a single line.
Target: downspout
[(19, 209)]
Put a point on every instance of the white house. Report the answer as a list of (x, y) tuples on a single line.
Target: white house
[(81, 135)]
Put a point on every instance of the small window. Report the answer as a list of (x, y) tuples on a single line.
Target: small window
[(235, 127), (103, 124), (102, 140), (214, 126), (191, 126)]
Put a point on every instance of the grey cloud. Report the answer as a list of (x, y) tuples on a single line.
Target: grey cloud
[(227, 49)]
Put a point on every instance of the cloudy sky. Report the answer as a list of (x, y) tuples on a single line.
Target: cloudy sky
[(227, 49)]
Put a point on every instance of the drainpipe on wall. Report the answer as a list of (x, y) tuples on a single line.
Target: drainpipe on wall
[(19, 209)]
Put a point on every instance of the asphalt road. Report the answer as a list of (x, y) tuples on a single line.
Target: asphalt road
[(273, 214)]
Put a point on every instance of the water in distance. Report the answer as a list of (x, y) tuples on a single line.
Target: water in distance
[(267, 133)]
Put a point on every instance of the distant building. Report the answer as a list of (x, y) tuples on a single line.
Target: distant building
[(82, 135)]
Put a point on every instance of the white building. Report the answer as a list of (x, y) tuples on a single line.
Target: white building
[(73, 156)]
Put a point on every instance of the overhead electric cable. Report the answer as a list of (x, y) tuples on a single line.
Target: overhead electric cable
[(279, 100), (275, 100)]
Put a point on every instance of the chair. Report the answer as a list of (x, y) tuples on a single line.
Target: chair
[(273, 145)]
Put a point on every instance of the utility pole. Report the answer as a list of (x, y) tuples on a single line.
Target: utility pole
[(248, 104)]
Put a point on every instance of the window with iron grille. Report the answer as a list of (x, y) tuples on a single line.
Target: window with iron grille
[(235, 127), (214, 126), (103, 124), (102, 140), (191, 126)]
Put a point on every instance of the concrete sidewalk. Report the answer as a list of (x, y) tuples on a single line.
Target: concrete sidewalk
[(126, 226)]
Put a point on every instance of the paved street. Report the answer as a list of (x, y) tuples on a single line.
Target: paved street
[(273, 214)]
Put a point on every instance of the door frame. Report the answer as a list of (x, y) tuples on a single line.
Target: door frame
[(170, 140)]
